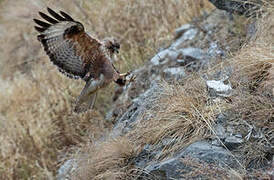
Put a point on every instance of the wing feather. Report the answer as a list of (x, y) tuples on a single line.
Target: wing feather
[(68, 17), (68, 46), (42, 23), (55, 15), (39, 29), (48, 18)]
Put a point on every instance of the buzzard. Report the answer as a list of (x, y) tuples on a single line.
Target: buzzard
[(78, 55)]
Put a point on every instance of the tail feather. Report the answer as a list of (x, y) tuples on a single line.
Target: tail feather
[(88, 95)]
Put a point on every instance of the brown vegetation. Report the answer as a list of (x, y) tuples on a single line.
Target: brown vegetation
[(183, 114), (110, 159), (253, 102), (37, 123), (38, 127)]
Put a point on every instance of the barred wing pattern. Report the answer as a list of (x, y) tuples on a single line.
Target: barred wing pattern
[(67, 44), (78, 55)]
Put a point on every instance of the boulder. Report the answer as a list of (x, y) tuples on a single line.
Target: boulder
[(204, 151)]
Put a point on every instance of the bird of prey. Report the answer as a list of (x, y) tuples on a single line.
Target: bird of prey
[(78, 55)]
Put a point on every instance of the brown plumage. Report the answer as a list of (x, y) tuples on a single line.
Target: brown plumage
[(77, 54)]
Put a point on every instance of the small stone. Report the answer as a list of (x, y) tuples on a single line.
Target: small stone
[(218, 88)]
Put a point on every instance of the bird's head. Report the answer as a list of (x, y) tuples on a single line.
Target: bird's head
[(112, 45)]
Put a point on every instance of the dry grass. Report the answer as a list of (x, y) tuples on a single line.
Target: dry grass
[(110, 159), (182, 115), (253, 101), (37, 123), (254, 62)]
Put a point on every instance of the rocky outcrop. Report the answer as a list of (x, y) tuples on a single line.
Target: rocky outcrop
[(195, 48)]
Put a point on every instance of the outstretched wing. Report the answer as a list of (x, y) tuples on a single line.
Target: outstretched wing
[(67, 44)]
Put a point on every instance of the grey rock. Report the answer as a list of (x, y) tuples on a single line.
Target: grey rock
[(203, 151), (233, 141), (139, 106), (195, 53), (209, 153), (174, 73), (167, 54), (188, 35), (65, 171), (181, 30)]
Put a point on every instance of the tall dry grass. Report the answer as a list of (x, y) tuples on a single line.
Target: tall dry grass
[(37, 123), (253, 103), (109, 159), (181, 115)]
